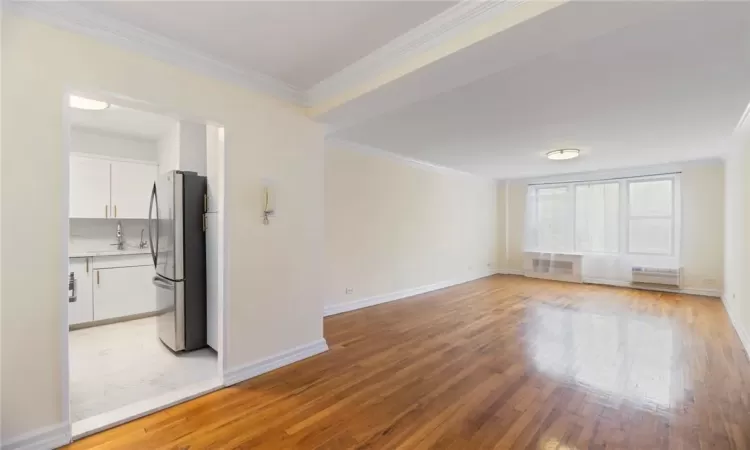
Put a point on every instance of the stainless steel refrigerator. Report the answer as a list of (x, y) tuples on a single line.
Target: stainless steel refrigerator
[(178, 248)]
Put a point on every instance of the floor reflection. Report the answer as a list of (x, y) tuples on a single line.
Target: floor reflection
[(622, 356)]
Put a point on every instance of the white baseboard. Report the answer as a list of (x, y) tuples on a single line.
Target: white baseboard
[(701, 291), (510, 272), (239, 374), (339, 308), (743, 333), (688, 291), (41, 439)]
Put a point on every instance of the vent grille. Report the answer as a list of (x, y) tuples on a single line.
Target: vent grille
[(547, 266), (654, 275), (553, 266)]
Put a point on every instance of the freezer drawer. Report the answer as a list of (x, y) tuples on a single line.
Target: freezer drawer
[(171, 319)]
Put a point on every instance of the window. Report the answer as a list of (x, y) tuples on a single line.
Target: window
[(651, 217), (597, 218), (626, 216), (553, 219)]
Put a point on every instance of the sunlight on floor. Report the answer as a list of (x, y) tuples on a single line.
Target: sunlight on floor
[(623, 356)]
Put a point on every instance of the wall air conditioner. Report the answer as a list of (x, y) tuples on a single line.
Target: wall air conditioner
[(652, 275), (553, 266)]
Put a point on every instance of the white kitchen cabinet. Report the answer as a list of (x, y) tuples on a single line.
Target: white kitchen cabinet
[(80, 309), (89, 187), (104, 188), (131, 189), (124, 291)]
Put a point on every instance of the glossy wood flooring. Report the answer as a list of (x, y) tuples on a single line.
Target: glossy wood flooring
[(503, 362)]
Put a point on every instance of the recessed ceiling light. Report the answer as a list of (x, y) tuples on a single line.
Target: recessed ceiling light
[(563, 153), (87, 103)]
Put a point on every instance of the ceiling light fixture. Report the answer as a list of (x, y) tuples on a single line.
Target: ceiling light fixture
[(87, 103), (563, 153)]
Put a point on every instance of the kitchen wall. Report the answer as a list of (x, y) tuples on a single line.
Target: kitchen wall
[(96, 142), (274, 287), (183, 148), (393, 227), (168, 149), (90, 235), (737, 244), (702, 250)]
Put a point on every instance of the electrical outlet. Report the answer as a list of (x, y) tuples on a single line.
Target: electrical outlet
[(349, 290)]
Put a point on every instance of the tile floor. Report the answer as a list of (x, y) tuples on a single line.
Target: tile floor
[(112, 366)]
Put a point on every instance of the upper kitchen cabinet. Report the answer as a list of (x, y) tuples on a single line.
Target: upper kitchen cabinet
[(89, 187), (131, 189), (109, 189)]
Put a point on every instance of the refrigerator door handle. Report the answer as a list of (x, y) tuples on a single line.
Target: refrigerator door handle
[(162, 283), (154, 252)]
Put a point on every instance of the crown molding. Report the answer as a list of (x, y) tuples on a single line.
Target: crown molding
[(465, 16), (452, 22), (77, 18), (417, 163)]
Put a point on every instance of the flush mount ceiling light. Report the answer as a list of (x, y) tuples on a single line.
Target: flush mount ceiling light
[(87, 103), (563, 153)]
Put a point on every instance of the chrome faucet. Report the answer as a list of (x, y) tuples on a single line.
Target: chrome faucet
[(120, 241), (143, 243)]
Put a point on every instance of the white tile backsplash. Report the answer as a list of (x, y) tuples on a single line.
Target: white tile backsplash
[(93, 235)]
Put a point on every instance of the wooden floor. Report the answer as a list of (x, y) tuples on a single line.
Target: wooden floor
[(503, 362)]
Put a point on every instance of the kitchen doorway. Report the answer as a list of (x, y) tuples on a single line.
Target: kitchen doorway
[(143, 319)]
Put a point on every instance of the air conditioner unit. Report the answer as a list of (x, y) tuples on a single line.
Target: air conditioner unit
[(553, 266), (652, 275)]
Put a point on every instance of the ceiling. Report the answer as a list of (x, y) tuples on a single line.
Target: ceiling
[(123, 121), (661, 88), (298, 42), (630, 83)]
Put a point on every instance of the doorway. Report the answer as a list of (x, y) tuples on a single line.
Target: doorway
[(144, 311)]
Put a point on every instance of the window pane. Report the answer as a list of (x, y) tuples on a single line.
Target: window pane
[(653, 236), (651, 198), (598, 217), (554, 219)]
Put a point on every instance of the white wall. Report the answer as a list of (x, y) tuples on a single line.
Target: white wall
[(274, 272), (168, 149), (193, 147), (393, 226), (737, 245), (106, 144), (183, 147), (702, 249)]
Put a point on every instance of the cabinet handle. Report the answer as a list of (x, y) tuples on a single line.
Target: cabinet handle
[(97, 278), (115, 210), (106, 210), (87, 265)]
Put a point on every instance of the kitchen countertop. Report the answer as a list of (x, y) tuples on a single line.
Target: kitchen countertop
[(129, 251)]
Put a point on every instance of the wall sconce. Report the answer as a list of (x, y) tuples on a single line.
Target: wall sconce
[(268, 201)]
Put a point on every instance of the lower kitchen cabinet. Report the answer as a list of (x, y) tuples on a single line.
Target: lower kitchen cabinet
[(123, 291), (80, 295)]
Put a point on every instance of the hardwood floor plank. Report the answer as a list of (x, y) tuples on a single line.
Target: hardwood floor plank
[(503, 362)]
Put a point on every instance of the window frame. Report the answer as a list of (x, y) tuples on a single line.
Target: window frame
[(624, 218), (571, 198), (619, 216), (673, 218)]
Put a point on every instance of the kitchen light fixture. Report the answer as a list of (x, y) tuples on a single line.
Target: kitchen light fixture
[(87, 103), (563, 153)]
